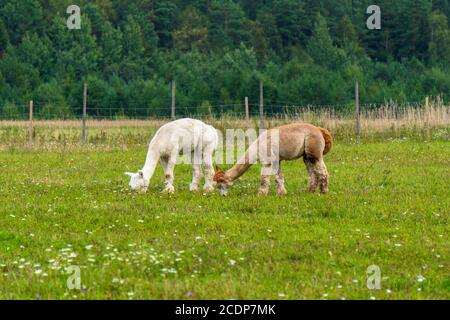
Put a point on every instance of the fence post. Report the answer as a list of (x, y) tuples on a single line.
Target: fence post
[(358, 123), (246, 109), (261, 105), (173, 99), (427, 119), (83, 133), (30, 126)]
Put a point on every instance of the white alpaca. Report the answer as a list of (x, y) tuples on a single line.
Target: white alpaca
[(184, 136)]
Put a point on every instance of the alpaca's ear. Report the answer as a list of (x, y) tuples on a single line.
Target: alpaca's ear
[(130, 174), (141, 174)]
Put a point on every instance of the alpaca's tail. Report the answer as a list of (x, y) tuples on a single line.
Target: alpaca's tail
[(328, 140)]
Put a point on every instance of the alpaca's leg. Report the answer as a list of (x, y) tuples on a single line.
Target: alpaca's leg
[(322, 175), (168, 164), (312, 177), (265, 181), (279, 182), (208, 170), (196, 175)]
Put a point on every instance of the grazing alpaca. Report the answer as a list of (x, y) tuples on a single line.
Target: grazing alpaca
[(292, 142), (183, 136)]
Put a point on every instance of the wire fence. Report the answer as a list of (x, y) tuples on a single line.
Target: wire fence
[(425, 118), (423, 113), (93, 106), (45, 111)]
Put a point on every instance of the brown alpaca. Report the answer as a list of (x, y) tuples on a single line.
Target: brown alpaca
[(293, 141)]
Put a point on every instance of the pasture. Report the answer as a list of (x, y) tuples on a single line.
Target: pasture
[(63, 204)]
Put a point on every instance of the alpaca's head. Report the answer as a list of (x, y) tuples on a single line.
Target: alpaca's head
[(223, 182), (137, 181)]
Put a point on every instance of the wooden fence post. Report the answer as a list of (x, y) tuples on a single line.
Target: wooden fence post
[(261, 105), (83, 132), (172, 114), (427, 119), (30, 126), (358, 121), (246, 109)]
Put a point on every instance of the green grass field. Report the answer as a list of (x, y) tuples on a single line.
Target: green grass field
[(388, 205)]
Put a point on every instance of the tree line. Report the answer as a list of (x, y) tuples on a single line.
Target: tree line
[(305, 51)]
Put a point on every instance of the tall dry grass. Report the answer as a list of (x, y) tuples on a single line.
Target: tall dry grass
[(391, 121)]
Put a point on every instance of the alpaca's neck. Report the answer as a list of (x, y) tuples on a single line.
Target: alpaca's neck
[(150, 162), (243, 164), (237, 170)]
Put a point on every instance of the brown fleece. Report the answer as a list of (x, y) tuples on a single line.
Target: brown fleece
[(328, 140), (296, 140)]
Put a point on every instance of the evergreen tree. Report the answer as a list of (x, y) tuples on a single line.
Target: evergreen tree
[(20, 17), (440, 39), (193, 31), (133, 40), (347, 39), (111, 43), (129, 50), (95, 17), (50, 101), (346, 32), (133, 46), (290, 17), (442, 6), (258, 40), (145, 21), (228, 25), (411, 30), (74, 48), (37, 51), (268, 24), (4, 37), (165, 15), (321, 48), (11, 111), (379, 44)]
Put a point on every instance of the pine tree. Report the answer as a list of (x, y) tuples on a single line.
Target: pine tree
[(442, 6), (410, 34), (258, 40), (228, 26), (52, 101), (346, 32), (347, 38), (134, 65), (74, 48), (145, 21), (380, 44), (4, 37), (95, 17), (20, 17), (165, 13), (133, 40), (290, 17), (321, 48), (271, 33), (193, 32), (37, 51), (111, 43), (440, 39)]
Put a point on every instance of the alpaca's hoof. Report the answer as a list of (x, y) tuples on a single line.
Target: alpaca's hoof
[(169, 189), (208, 188), (263, 192), (193, 187), (281, 192)]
